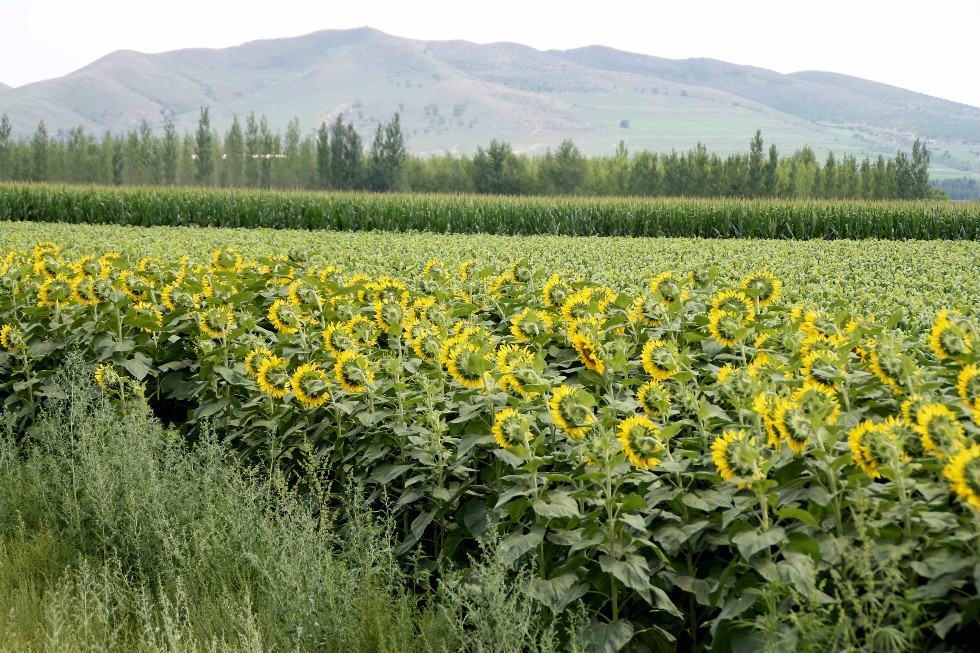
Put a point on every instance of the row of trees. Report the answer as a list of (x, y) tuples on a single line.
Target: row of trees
[(335, 157)]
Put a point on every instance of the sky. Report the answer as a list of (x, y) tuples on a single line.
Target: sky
[(926, 47)]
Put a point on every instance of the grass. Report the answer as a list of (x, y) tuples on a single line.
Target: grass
[(117, 536)]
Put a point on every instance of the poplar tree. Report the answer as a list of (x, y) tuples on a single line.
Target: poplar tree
[(204, 162)]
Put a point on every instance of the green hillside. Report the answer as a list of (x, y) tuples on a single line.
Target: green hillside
[(455, 96)]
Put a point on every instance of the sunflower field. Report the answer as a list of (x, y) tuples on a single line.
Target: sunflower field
[(692, 458)]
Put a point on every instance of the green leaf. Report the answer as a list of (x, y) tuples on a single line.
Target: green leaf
[(415, 532), (515, 545), (558, 504), (672, 537), (210, 408), (606, 637), (750, 542), (632, 570), (557, 593), (387, 473), (798, 513), (138, 366)]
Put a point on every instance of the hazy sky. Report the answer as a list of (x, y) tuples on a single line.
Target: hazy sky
[(929, 47)]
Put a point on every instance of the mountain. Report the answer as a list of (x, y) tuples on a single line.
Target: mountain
[(4, 87), (456, 95)]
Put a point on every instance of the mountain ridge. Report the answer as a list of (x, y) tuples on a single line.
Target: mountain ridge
[(455, 95)]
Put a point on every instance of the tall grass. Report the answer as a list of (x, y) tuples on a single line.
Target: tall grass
[(701, 218), (117, 536)]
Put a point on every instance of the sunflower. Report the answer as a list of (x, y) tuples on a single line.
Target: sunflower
[(55, 291), (388, 314), (509, 356), (88, 266), (793, 424), (511, 429), (885, 364), (464, 268), (648, 310), (858, 439), (727, 327), (337, 339), (669, 287), (284, 316), (588, 352), (569, 407), (217, 321), (437, 269), (950, 336), (273, 377), (46, 247), (49, 266), (106, 375), (529, 324), (556, 291), (823, 367), (941, 432), (901, 431), (736, 457), (735, 302), (818, 402), (963, 472), (765, 404), (147, 317), (653, 398), (174, 298), (226, 260), (913, 405), (362, 331), (83, 290), (968, 385), (309, 384), (467, 364), (516, 383), (737, 382), (763, 287), (136, 287), (659, 359), (353, 372), (303, 294), (578, 305), (641, 441), (11, 337), (427, 346), (255, 358)]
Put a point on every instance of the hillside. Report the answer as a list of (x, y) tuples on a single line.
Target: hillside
[(456, 95)]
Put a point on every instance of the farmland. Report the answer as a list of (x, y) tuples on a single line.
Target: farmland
[(682, 442)]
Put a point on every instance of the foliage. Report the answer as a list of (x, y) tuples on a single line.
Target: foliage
[(699, 461), (689, 218)]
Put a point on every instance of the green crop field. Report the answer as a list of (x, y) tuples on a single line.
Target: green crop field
[(678, 443)]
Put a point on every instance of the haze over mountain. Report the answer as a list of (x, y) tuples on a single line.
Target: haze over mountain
[(456, 95)]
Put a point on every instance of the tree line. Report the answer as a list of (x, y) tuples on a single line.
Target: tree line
[(335, 157)]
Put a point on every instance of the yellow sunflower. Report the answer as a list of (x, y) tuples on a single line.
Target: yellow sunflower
[(336, 339), (11, 337), (940, 430), (284, 316), (659, 359), (254, 360), (273, 377), (529, 324), (556, 291), (968, 385), (509, 356), (106, 375), (588, 352), (217, 321), (763, 287), (353, 372), (653, 398), (569, 407), (736, 457), (467, 364), (963, 472), (309, 384), (511, 429), (641, 441), (669, 287), (949, 337)]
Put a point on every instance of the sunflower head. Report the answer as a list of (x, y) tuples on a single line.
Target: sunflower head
[(353, 372), (468, 363), (310, 386), (589, 352), (273, 377), (11, 337), (737, 382), (555, 291), (106, 375), (362, 331), (55, 290), (648, 310), (669, 287), (763, 287), (571, 409), (951, 336), (736, 457), (510, 356), (653, 398), (963, 472), (728, 328), (217, 321), (660, 359), (511, 429), (641, 441), (794, 424), (968, 386), (255, 358), (529, 324), (427, 346), (940, 430)]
